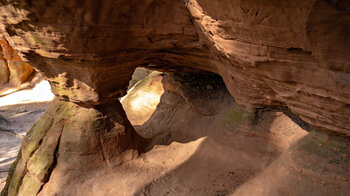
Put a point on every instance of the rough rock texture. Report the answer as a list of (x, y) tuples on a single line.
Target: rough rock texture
[(289, 53), (230, 151), (285, 53), (13, 71), (65, 139), (301, 163), (270, 53)]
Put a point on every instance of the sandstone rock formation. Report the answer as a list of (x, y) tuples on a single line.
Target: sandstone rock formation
[(13, 71), (97, 136), (231, 151), (276, 161), (288, 54), (284, 54)]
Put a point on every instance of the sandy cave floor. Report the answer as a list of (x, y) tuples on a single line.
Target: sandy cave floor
[(193, 154)]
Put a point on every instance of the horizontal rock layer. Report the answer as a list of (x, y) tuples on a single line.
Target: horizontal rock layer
[(285, 53)]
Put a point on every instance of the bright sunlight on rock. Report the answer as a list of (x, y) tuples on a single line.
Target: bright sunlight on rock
[(159, 97)]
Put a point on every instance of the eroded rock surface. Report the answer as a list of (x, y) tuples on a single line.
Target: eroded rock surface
[(13, 71), (283, 54), (230, 150), (66, 138)]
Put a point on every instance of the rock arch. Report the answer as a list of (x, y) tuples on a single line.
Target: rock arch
[(268, 53)]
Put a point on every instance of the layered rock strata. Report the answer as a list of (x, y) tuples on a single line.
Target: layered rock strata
[(282, 54)]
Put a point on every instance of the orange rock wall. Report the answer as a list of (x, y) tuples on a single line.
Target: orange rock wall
[(13, 70), (270, 53)]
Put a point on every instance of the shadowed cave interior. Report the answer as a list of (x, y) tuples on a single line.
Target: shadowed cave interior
[(237, 98), (193, 129)]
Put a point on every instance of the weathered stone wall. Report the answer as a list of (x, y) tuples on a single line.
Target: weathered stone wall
[(13, 71), (285, 53), (288, 53)]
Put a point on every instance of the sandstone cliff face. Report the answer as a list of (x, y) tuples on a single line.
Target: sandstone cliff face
[(13, 70), (290, 53), (284, 54)]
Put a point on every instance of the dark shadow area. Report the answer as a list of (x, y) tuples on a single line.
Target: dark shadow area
[(295, 118), (233, 145), (129, 139), (191, 98)]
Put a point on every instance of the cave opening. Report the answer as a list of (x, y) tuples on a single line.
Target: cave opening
[(181, 131), (155, 98), (184, 121)]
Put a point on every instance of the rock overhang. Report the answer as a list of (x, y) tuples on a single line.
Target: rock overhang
[(270, 54)]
